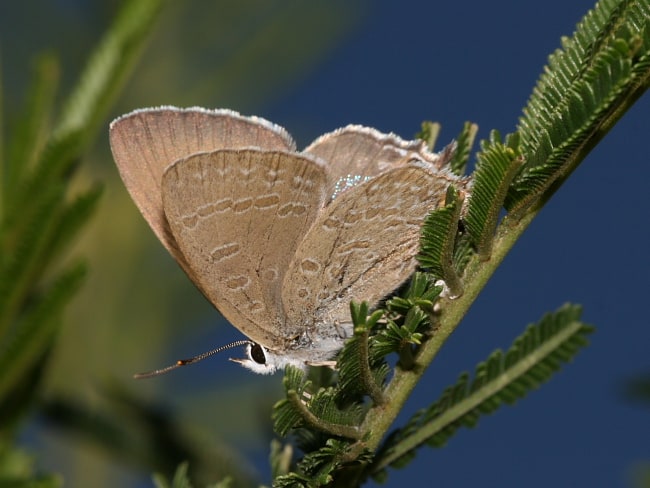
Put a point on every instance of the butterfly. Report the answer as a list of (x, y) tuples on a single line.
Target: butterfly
[(280, 240)]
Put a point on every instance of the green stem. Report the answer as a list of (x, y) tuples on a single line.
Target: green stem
[(349, 431), (449, 274), (369, 383)]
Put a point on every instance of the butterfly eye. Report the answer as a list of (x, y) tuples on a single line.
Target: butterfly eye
[(257, 354)]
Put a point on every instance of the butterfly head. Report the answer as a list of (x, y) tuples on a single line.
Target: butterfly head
[(261, 360)]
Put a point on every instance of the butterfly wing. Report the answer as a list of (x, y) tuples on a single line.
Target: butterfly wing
[(146, 141), (238, 216), (363, 152), (363, 244)]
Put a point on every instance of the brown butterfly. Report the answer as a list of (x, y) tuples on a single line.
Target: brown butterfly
[(278, 240)]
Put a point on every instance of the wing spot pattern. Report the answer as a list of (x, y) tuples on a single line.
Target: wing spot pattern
[(242, 205), (331, 224), (226, 251), (238, 282), (267, 201), (256, 307), (325, 296), (353, 246), (310, 266), (292, 208), (352, 217), (269, 275), (189, 221)]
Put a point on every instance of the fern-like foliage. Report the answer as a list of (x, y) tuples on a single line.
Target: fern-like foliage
[(31, 130), (317, 467), (334, 458), (409, 319), (325, 417), (306, 406), (362, 367), (40, 218), (429, 132), (497, 165), (421, 291), (285, 415), (503, 378), (464, 143), (325, 427), (578, 97), (439, 232), (33, 334)]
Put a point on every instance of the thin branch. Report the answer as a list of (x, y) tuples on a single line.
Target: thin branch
[(367, 379), (348, 431)]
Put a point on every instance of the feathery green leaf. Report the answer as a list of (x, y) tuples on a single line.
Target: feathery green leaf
[(503, 378), (280, 458), (285, 415), (30, 132), (361, 370), (465, 141), (580, 93), (24, 251), (429, 133), (497, 165), (422, 291), (437, 241), (32, 337), (54, 167), (72, 218)]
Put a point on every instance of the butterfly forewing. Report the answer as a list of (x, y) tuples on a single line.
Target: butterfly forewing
[(145, 142), (238, 217)]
